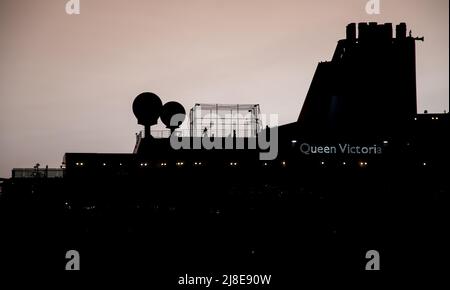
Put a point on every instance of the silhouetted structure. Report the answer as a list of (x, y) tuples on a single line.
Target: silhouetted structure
[(147, 109), (368, 88), (222, 120), (170, 110), (314, 206)]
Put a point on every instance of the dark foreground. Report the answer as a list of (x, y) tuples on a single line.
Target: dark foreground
[(286, 223)]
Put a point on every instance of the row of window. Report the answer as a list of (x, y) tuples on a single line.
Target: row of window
[(230, 164), (432, 118)]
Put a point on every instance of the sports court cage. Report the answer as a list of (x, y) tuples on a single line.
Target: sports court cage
[(222, 120), (37, 172)]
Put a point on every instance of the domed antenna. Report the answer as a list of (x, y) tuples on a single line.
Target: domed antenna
[(147, 108), (169, 110)]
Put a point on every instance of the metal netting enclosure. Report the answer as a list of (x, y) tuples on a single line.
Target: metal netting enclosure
[(222, 120)]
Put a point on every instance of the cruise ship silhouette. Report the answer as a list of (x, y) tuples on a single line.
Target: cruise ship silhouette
[(359, 170)]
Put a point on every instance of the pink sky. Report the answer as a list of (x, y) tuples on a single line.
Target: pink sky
[(67, 82)]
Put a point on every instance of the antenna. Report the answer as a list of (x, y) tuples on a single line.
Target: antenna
[(147, 108), (169, 110)]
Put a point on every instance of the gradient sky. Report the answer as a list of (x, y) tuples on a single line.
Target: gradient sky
[(67, 82)]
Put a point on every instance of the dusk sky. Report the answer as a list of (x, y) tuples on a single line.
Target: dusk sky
[(67, 82)]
